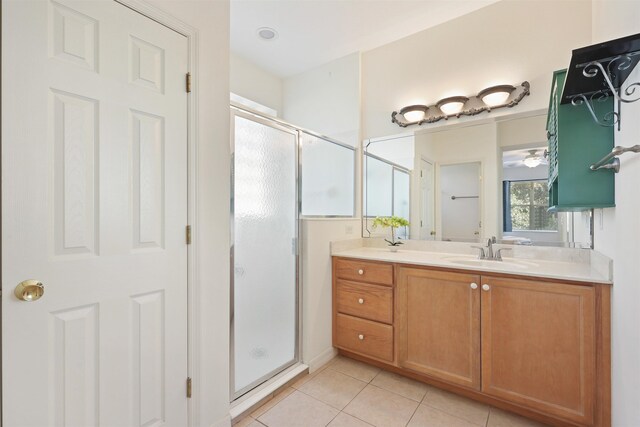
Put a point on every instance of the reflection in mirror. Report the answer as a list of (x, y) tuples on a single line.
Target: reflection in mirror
[(427, 215), (525, 201), (460, 201), (387, 184), (496, 172)]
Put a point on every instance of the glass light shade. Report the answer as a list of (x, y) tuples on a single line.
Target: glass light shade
[(414, 115), (496, 95), (452, 105), (532, 160), (496, 98)]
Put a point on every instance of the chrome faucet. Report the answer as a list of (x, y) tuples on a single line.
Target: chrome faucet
[(487, 252)]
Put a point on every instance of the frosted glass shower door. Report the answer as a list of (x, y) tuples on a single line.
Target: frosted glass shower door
[(264, 285)]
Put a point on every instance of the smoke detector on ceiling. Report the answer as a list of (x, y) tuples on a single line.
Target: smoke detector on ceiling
[(267, 34)]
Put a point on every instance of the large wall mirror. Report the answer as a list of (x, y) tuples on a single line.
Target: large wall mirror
[(467, 183)]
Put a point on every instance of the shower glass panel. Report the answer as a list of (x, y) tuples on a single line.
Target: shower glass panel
[(327, 177), (378, 193), (401, 199), (265, 231)]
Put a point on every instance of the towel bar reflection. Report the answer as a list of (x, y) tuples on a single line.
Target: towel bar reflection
[(463, 197), (607, 163)]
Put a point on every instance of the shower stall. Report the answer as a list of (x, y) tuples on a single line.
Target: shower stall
[(264, 252), (280, 173)]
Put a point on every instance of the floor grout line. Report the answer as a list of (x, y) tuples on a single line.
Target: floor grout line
[(329, 366), (398, 394), (359, 419), (413, 414), (456, 416)]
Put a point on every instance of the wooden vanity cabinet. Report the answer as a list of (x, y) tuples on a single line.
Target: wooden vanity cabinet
[(363, 308), (438, 324), (539, 347)]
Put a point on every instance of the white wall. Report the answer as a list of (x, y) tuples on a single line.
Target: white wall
[(523, 173), (506, 42), (617, 230), (326, 99), (316, 284), (252, 82), (211, 236), (523, 132)]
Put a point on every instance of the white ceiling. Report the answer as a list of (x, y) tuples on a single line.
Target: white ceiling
[(314, 32)]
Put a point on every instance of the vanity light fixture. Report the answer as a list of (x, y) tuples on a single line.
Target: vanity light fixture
[(455, 106)]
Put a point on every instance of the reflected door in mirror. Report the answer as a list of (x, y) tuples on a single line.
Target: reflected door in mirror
[(460, 201)]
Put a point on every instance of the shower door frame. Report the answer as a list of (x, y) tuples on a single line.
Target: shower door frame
[(248, 114)]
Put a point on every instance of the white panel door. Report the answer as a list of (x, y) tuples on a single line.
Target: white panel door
[(94, 205)]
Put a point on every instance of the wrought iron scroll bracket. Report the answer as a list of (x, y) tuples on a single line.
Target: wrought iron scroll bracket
[(609, 75)]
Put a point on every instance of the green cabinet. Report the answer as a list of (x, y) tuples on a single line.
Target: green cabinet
[(576, 142)]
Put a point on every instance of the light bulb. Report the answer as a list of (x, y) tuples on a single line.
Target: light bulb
[(414, 115), (496, 95), (496, 98), (532, 160), (452, 105)]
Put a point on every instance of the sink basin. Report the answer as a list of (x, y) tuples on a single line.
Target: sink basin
[(474, 262)]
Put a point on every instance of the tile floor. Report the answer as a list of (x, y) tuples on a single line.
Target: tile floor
[(348, 393)]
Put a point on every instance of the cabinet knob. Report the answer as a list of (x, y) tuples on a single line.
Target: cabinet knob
[(486, 287), (360, 300), (474, 286), (361, 337), (361, 272)]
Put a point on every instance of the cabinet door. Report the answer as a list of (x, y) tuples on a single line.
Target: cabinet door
[(538, 345), (438, 324)]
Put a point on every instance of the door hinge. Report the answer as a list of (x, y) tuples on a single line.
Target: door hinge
[(188, 82), (189, 388), (188, 234), (420, 174)]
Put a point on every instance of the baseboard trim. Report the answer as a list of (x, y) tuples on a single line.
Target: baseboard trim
[(321, 359), (263, 393)]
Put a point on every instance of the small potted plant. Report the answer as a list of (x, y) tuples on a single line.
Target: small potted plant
[(393, 222)]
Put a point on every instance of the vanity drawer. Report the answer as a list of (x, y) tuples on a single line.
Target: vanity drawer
[(371, 302), (364, 336), (363, 271)]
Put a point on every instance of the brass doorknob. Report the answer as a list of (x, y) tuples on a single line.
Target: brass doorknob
[(29, 290)]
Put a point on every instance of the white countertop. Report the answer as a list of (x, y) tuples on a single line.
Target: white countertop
[(529, 267)]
